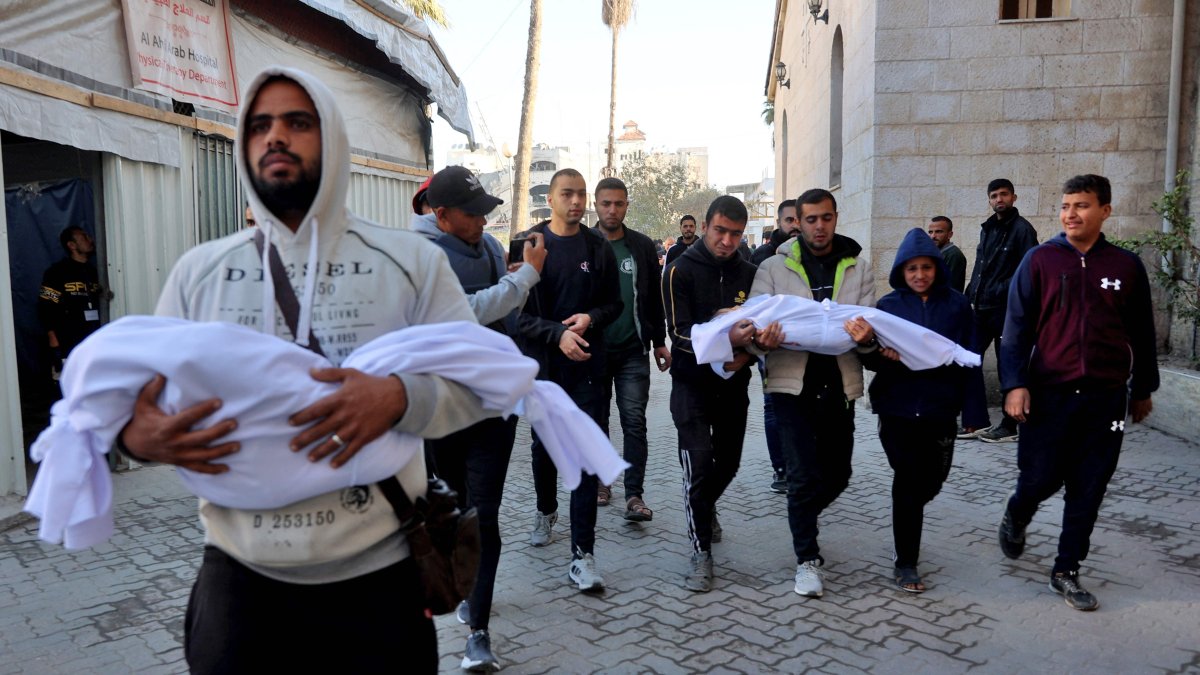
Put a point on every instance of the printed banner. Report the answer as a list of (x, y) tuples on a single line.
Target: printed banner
[(183, 49)]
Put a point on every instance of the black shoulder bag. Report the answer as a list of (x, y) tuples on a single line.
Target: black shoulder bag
[(443, 539)]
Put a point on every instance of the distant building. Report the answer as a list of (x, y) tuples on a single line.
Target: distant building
[(632, 144), (760, 203)]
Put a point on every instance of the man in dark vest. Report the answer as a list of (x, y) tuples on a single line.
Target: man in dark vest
[(474, 461)]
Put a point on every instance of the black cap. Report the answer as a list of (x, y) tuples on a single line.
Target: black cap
[(456, 186)]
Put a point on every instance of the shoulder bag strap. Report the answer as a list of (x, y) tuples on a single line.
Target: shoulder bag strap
[(285, 297)]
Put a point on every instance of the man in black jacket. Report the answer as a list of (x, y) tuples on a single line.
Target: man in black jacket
[(687, 237), (787, 225), (709, 411), (638, 328), (69, 300), (562, 327), (1003, 240)]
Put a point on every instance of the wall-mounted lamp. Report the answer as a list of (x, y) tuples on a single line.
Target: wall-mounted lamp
[(781, 75), (814, 8)]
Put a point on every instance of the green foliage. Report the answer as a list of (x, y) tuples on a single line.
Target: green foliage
[(660, 193), (768, 112), (1179, 274), (429, 10)]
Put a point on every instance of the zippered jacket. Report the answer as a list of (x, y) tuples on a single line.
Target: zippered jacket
[(939, 392), (1002, 244), (647, 295), (784, 273), (694, 288), (1080, 317)]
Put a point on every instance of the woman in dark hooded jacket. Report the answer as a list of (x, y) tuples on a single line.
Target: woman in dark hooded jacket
[(918, 410)]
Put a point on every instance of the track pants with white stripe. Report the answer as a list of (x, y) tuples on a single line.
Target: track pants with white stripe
[(710, 419)]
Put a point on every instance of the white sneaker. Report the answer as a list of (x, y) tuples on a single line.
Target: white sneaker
[(543, 525), (583, 573), (809, 579)]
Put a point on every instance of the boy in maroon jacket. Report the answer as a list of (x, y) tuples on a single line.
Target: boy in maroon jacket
[(1078, 351)]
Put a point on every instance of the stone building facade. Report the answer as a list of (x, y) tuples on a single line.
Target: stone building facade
[(907, 108)]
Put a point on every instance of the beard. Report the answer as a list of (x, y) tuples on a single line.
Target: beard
[(283, 197)]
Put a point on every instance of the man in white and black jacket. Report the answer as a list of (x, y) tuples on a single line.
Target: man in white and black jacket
[(630, 337), (562, 326)]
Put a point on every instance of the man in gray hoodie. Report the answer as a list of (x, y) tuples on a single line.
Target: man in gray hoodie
[(335, 568), (474, 461)]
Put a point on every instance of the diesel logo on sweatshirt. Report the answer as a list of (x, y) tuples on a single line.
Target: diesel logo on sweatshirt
[(330, 269)]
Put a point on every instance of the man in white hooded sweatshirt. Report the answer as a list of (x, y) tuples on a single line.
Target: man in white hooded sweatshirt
[(326, 582)]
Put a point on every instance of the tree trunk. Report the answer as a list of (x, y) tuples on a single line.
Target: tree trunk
[(611, 168), (520, 209)]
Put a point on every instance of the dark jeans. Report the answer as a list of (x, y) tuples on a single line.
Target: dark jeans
[(239, 621), (816, 429), (920, 452), (474, 462), (770, 427), (629, 370), (711, 423), (588, 395), (989, 326), (1071, 437)]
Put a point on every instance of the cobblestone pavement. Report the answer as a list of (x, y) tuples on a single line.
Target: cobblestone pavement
[(119, 607)]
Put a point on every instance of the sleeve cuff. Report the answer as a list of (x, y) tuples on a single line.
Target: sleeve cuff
[(421, 393)]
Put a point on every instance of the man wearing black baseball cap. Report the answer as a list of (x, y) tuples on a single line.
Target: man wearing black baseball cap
[(474, 461)]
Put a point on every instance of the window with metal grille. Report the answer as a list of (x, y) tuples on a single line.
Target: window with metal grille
[(220, 205), (1034, 9)]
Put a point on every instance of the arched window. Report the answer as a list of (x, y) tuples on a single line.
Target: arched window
[(836, 70), (543, 165)]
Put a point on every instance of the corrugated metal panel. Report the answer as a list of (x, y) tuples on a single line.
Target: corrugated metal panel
[(382, 197), (12, 447), (149, 216), (219, 201)]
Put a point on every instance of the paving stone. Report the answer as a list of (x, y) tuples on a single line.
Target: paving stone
[(119, 607)]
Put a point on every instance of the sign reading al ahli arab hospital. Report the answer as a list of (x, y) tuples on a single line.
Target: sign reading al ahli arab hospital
[(182, 49)]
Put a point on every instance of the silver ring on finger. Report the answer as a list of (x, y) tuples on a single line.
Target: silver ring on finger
[(338, 439)]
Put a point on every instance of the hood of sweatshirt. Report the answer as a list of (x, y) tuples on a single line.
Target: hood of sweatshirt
[(917, 243), (327, 218)]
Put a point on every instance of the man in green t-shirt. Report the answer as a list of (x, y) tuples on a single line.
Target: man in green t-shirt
[(630, 338)]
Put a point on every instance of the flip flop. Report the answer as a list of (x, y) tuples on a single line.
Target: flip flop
[(603, 495)]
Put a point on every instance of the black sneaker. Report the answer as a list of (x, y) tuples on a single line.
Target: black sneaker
[(1012, 536), (1067, 585), (479, 657), (779, 485), (998, 434)]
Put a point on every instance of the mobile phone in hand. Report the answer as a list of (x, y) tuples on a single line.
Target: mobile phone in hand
[(516, 250)]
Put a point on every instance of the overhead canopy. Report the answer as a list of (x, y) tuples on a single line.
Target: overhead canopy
[(407, 42)]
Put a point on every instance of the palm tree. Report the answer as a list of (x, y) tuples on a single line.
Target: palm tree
[(520, 210), (616, 14)]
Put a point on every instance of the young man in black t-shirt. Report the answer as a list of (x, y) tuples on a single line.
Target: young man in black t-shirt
[(69, 301), (562, 326)]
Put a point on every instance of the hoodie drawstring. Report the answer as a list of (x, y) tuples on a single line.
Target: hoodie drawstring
[(304, 326), (268, 297)]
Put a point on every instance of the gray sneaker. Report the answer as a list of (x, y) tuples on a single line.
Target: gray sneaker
[(479, 657), (809, 579), (583, 573), (700, 572), (543, 523)]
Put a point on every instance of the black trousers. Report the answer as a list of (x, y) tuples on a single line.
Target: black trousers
[(474, 463), (589, 396), (239, 621), (1071, 437), (816, 429), (711, 423), (920, 452), (989, 326)]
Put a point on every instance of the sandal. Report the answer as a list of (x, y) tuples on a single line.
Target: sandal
[(603, 495), (637, 511), (908, 580)]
